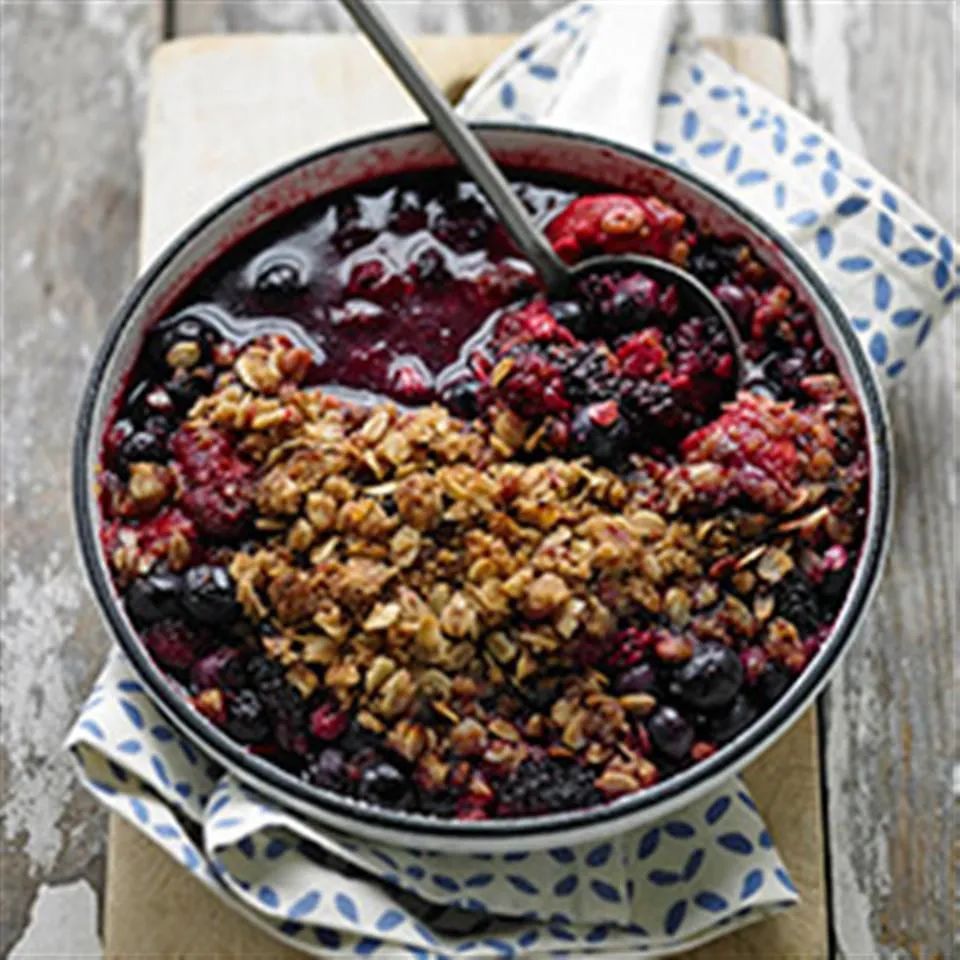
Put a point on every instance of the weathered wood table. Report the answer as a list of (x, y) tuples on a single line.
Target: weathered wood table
[(883, 76)]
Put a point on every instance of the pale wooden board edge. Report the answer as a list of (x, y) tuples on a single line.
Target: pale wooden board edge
[(152, 907)]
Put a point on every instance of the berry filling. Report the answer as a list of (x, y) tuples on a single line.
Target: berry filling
[(550, 554)]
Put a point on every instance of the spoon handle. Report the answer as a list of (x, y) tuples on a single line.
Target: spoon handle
[(463, 143)]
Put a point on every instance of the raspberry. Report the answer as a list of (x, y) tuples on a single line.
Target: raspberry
[(218, 497), (533, 387), (411, 383), (614, 223), (222, 513), (327, 723), (533, 323), (643, 354), (173, 644), (754, 437)]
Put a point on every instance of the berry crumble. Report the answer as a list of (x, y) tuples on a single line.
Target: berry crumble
[(462, 550)]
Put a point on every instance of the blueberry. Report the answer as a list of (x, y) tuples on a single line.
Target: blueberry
[(771, 684), (670, 733), (208, 595), (431, 268), (143, 445), (282, 278), (247, 720), (711, 678), (153, 598), (182, 329), (725, 726), (383, 783), (635, 300), (462, 399), (145, 399), (184, 391), (605, 443), (639, 679), (572, 316), (328, 769)]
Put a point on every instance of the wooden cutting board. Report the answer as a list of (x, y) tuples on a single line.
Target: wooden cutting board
[(222, 109)]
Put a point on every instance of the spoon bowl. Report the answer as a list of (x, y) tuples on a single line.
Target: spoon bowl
[(694, 294)]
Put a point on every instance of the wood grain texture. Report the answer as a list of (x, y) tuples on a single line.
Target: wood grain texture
[(884, 77), (73, 86), (321, 89), (450, 17)]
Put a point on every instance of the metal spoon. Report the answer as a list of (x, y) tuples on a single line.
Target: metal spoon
[(558, 277)]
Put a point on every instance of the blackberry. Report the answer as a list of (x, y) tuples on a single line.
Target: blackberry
[(588, 372), (654, 414), (545, 786), (247, 721), (713, 262), (463, 225), (703, 360), (285, 706), (797, 601)]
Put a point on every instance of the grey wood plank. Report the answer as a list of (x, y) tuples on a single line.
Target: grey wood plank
[(884, 77), (73, 85), (713, 17)]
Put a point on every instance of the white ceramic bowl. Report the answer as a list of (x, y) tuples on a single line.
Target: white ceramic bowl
[(521, 149)]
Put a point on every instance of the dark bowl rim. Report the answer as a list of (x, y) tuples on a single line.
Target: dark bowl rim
[(729, 758)]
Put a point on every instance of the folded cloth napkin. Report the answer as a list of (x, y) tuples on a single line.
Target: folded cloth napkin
[(894, 269), (670, 885), (694, 875)]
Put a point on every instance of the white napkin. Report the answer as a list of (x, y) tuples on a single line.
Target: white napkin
[(672, 884)]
